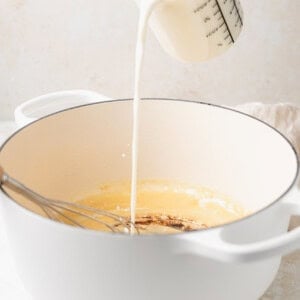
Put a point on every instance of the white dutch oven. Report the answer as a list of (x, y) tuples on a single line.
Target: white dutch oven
[(70, 153)]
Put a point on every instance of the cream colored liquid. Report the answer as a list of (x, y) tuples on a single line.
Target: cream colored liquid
[(192, 41), (163, 207), (164, 201), (146, 9)]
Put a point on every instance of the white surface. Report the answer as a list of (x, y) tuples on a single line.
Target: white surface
[(47, 46)]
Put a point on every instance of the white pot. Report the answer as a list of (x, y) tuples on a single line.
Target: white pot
[(68, 154)]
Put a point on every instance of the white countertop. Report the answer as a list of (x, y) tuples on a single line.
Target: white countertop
[(285, 287)]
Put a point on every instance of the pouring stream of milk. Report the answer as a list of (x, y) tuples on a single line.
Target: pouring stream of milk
[(146, 8)]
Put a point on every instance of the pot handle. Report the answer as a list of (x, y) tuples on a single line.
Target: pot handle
[(214, 246), (44, 105)]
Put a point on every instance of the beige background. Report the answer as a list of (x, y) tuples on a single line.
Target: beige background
[(64, 44)]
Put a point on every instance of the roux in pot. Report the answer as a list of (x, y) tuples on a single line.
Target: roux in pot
[(163, 207)]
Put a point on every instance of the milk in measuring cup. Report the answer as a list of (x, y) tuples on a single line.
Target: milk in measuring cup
[(196, 30)]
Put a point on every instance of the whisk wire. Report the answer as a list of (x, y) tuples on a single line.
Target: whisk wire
[(45, 210), (65, 217), (62, 211), (54, 208), (80, 214)]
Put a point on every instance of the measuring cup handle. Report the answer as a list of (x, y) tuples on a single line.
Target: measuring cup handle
[(47, 104)]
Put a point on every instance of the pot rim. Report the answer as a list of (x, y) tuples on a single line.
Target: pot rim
[(106, 234)]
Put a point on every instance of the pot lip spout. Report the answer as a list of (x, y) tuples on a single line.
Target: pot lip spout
[(99, 233)]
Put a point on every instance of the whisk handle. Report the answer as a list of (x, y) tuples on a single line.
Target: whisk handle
[(20, 188), (1, 174)]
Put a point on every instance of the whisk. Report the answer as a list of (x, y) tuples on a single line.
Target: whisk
[(77, 214), (62, 211)]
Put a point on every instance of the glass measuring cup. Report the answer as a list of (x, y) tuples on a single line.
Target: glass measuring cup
[(196, 30)]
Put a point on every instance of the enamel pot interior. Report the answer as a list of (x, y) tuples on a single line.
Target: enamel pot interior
[(69, 154)]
